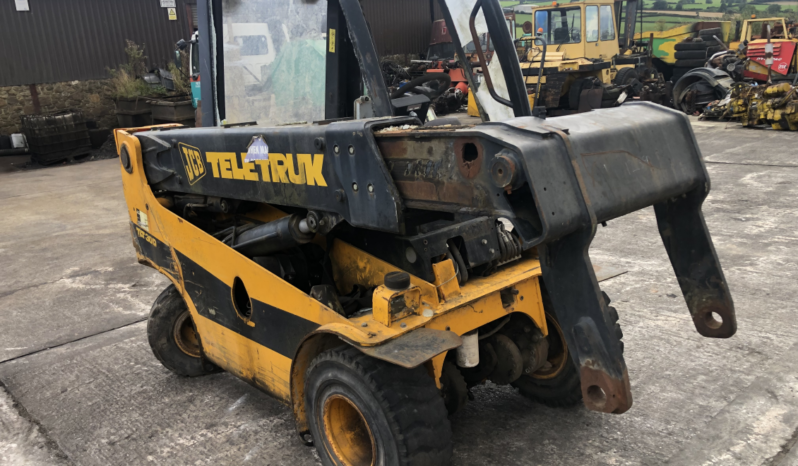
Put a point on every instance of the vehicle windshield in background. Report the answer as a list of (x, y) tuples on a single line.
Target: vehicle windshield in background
[(592, 23), (442, 51), (484, 40), (460, 12), (560, 26)]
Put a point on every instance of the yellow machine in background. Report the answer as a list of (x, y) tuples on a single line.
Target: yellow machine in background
[(591, 60)]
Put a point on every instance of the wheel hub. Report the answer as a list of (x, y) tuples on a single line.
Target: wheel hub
[(185, 335), (558, 352), (348, 433)]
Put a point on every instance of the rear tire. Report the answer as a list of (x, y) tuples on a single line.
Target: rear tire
[(691, 63), (690, 54), (678, 73), (559, 385), (625, 76), (575, 92), (700, 45), (362, 410), (173, 337)]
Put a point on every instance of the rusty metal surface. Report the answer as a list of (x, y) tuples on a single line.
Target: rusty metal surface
[(60, 41), (414, 348), (603, 393), (423, 171), (467, 162)]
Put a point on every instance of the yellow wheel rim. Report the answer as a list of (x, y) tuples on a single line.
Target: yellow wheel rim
[(558, 351), (348, 433), (185, 336)]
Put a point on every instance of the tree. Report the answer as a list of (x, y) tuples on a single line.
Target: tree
[(747, 10), (708, 2), (774, 9), (661, 25), (660, 5), (679, 7)]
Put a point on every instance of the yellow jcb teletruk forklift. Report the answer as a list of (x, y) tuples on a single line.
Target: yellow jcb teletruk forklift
[(367, 265)]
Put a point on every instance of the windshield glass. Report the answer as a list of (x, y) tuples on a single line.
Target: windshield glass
[(460, 11), (591, 23), (484, 41), (274, 60), (607, 28), (561, 25), (758, 29)]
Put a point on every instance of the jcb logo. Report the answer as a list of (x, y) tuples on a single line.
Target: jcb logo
[(192, 160), (279, 168)]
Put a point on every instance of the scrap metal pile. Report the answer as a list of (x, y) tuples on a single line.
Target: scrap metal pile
[(445, 98), (753, 79), (775, 105)]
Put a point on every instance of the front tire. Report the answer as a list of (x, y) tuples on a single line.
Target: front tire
[(625, 76), (173, 338), (363, 411)]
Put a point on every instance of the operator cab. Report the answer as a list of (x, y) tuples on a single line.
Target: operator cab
[(282, 62), (585, 29)]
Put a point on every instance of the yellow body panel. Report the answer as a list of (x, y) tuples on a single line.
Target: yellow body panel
[(472, 105)]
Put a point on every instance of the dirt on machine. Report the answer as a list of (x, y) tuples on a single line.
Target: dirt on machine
[(337, 248)]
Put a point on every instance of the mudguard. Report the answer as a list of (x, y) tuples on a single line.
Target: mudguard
[(719, 80)]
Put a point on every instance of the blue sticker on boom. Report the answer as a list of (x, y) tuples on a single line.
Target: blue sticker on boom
[(257, 150)]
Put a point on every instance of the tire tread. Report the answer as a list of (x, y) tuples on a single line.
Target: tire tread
[(411, 402)]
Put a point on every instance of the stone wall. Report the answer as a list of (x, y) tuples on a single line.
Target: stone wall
[(93, 98)]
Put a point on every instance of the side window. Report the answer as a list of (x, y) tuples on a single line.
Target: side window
[(592, 23), (620, 14), (542, 22), (607, 28), (560, 26)]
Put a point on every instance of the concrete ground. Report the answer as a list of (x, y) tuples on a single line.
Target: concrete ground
[(82, 387)]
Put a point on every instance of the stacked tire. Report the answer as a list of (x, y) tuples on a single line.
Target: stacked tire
[(694, 53)]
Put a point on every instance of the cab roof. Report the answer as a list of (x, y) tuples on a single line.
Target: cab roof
[(566, 4)]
